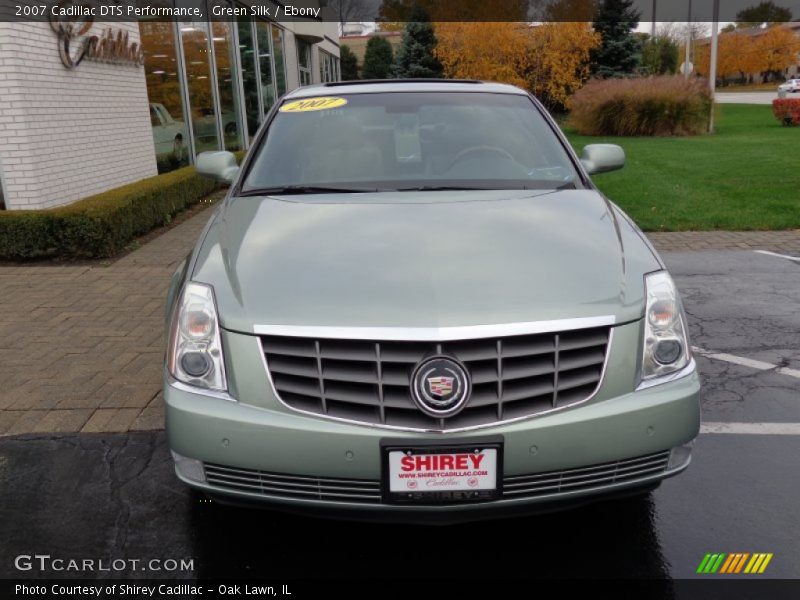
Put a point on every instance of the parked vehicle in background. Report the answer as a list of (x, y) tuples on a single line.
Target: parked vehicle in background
[(169, 136), (790, 85), (206, 126), (415, 304)]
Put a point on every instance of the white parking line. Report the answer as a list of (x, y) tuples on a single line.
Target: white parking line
[(747, 362), (789, 372), (768, 253), (737, 360), (752, 428)]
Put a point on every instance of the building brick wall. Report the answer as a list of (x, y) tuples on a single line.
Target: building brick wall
[(67, 134)]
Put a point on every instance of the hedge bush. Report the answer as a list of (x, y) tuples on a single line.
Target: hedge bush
[(102, 225), (787, 110), (654, 106)]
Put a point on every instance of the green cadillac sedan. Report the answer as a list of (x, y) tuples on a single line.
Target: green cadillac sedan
[(414, 304)]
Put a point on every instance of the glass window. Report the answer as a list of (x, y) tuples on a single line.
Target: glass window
[(170, 133), (410, 140), (247, 54), (194, 35), (227, 82), (280, 59), (304, 62), (265, 64), (328, 67)]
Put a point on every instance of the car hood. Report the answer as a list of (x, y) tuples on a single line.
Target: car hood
[(422, 259)]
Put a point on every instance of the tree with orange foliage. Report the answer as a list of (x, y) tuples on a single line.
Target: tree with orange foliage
[(741, 54), (735, 56), (550, 60), (777, 49)]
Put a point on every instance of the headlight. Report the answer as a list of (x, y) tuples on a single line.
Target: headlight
[(666, 345), (194, 353)]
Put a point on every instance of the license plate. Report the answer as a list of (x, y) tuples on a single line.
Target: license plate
[(459, 473)]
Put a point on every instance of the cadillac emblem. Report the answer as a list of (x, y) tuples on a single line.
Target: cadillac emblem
[(440, 386)]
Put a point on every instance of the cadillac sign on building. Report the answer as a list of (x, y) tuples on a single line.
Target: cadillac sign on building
[(74, 45), (139, 94)]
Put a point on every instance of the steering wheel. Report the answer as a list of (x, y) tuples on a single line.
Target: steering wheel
[(476, 149)]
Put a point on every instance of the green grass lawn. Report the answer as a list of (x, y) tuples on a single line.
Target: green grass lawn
[(745, 176)]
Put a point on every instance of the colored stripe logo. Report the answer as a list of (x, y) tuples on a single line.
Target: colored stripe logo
[(734, 563)]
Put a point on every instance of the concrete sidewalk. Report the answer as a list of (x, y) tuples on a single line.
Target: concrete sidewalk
[(764, 98), (81, 347)]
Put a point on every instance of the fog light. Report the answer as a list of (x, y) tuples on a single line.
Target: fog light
[(189, 468), (668, 351), (195, 364), (680, 456)]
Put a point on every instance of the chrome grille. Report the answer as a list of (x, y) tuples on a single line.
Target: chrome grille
[(369, 381), (293, 486), (368, 491), (571, 480)]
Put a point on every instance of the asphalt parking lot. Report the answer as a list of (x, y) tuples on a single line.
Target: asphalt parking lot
[(108, 495)]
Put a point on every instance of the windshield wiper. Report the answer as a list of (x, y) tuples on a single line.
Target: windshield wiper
[(287, 190), (305, 189)]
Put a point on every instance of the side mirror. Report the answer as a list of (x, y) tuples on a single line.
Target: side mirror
[(220, 166), (602, 158)]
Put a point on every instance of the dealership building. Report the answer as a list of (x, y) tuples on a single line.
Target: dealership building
[(86, 106)]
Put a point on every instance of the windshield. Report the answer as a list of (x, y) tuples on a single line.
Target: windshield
[(404, 140)]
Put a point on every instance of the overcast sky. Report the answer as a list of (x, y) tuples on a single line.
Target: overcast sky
[(646, 26), (666, 10)]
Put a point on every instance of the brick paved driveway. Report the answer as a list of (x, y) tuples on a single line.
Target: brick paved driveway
[(787, 242), (81, 346)]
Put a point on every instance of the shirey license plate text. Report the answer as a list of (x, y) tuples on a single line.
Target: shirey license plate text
[(443, 472)]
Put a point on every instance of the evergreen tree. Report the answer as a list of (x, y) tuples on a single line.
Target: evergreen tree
[(415, 58), (619, 50), (348, 64), (660, 56), (378, 59)]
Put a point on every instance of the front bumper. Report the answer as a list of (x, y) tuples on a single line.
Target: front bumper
[(612, 438)]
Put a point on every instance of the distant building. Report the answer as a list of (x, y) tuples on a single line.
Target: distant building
[(352, 29)]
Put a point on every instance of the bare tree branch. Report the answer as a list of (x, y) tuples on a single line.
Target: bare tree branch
[(351, 11)]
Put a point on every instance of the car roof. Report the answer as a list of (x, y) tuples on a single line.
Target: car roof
[(374, 86)]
